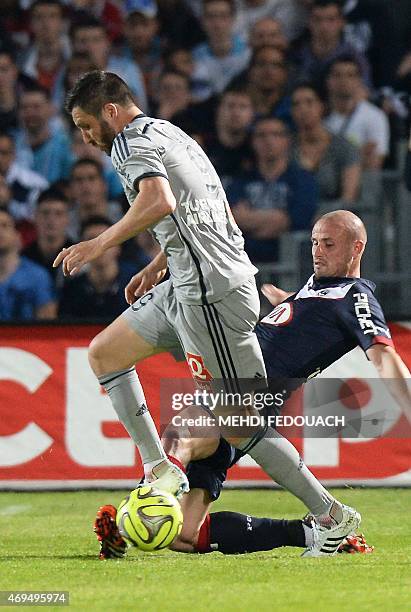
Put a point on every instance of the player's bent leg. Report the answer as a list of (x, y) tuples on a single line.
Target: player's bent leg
[(182, 446), (118, 347), (112, 356)]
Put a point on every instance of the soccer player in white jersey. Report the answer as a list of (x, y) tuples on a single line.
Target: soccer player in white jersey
[(210, 304)]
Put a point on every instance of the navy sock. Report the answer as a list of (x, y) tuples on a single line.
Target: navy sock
[(234, 533)]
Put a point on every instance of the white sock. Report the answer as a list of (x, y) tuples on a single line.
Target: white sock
[(127, 396)]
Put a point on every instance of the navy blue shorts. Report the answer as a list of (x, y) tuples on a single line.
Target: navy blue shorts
[(210, 473)]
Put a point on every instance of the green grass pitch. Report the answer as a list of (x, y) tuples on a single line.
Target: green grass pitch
[(47, 544)]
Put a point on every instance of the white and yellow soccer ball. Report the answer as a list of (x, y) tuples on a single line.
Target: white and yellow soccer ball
[(149, 518)]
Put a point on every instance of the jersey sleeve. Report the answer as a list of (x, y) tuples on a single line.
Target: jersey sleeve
[(138, 159), (362, 315)]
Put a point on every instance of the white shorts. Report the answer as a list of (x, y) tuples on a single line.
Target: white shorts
[(218, 339)]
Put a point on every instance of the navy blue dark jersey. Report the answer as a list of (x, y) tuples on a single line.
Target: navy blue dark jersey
[(325, 320)]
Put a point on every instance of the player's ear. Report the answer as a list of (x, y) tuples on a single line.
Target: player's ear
[(109, 111), (359, 246)]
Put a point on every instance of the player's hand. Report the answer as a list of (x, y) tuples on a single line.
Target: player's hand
[(274, 294), (77, 255), (142, 282)]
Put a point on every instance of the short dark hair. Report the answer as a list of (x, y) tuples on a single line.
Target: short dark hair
[(346, 58), (52, 194), (94, 220), (36, 88), (231, 3), (264, 118), (319, 4), (239, 89), (312, 87), (96, 88), (88, 161), (85, 21), (173, 72), (37, 3)]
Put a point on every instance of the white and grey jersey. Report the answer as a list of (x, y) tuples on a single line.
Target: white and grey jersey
[(203, 244)]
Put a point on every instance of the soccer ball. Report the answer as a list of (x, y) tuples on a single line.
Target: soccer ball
[(149, 518)]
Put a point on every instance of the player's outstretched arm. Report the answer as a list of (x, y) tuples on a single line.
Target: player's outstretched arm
[(146, 279), (395, 374), (274, 294), (154, 201)]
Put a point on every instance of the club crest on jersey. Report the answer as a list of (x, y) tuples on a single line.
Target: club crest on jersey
[(281, 315), (198, 370)]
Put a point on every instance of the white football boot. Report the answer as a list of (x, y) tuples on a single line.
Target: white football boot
[(168, 477), (328, 538)]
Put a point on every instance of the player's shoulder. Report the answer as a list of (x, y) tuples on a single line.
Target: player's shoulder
[(134, 135), (363, 285), (361, 295)]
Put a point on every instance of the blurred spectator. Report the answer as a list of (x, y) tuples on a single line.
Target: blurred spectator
[(97, 293), (223, 55), (370, 28), (173, 96), (181, 60), (26, 290), (37, 148), (90, 36), (89, 194), (229, 147), (288, 12), (326, 43), (45, 58), (178, 23), (12, 84), (268, 32), (278, 195), (334, 161), (352, 116), (5, 194), (77, 65), (51, 221), (13, 24), (24, 184), (267, 82), (403, 74), (105, 11), (143, 45)]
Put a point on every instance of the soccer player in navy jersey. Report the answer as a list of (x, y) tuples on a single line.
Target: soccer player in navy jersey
[(337, 311), (334, 312)]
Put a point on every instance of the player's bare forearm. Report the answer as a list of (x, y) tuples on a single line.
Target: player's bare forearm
[(146, 279), (154, 202), (159, 263), (394, 373), (274, 294)]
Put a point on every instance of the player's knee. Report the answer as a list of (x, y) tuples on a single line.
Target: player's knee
[(96, 354), (236, 442)]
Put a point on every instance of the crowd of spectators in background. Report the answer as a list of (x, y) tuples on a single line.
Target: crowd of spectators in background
[(293, 101)]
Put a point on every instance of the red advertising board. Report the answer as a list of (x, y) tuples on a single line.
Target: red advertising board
[(58, 429)]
